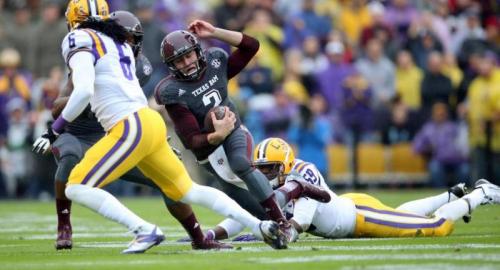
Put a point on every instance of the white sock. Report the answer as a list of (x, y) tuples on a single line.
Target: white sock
[(231, 226), (429, 205), (107, 205), (459, 208), (219, 202)]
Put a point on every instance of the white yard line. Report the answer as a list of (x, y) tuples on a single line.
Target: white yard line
[(433, 266), (377, 257)]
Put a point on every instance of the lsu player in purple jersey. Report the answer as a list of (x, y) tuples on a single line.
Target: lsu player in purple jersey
[(197, 83), (82, 133), (103, 74), (359, 214)]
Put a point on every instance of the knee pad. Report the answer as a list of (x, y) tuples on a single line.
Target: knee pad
[(64, 166)]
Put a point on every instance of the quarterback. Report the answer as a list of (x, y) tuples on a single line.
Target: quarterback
[(102, 69), (359, 214), (197, 83)]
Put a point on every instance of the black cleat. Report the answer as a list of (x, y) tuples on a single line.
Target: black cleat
[(64, 238)]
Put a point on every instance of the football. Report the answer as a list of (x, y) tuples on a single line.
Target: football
[(220, 112)]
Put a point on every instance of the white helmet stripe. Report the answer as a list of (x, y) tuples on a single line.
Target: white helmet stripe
[(92, 7), (263, 144)]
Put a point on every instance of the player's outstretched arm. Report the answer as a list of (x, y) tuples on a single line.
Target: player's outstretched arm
[(205, 29)]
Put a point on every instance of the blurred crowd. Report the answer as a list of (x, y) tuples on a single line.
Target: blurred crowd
[(328, 72)]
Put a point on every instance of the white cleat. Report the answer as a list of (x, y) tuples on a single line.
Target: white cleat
[(491, 191), (144, 241)]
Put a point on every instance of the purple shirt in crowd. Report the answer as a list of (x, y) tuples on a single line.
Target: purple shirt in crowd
[(330, 83), (440, 141)]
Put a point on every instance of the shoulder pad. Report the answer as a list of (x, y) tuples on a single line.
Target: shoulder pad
[(307, 171), (82, 40), (143, 69), (215, 52)]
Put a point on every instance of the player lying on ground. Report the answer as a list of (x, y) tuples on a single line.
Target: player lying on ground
[(197, 83), (85, 131), (103, 73), (359, 214)]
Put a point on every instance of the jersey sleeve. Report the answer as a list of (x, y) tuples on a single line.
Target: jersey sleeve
[(82, 40), (167, 94), (306, 171), (143, 69)]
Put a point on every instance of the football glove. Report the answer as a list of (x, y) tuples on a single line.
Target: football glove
[(45, 141)]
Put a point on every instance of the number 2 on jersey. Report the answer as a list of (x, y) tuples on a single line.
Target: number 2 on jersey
[(212, 96)]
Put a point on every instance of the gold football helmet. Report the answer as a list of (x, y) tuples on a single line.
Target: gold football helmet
[(274, 158), (80, 10)]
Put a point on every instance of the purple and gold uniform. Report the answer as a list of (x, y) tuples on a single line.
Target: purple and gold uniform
[(357, 214), (136, 135)]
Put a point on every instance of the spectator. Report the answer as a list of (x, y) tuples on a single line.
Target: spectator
[(438, 139), (313, 59), (451, 70), (48, 34), (293, 84), (304, 24), (408, 80), (356, 111), (421, 43), (400, 14), (331, 80), (16, 154), (484, 121), (354, 17), (228, 15), (13, 82), (400, 124), (468, 36), (20, 34), (379, 71), (270, 37), (153, 36), (255, 79), (312, 133), (277, 119), (435, 85), (380, 30)]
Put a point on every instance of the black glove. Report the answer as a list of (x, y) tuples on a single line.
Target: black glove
[(45, 141)]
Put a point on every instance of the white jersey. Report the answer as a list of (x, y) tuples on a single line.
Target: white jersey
[(117, 92), (335, 219)]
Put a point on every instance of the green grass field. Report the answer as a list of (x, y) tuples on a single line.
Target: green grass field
[(28, 228)]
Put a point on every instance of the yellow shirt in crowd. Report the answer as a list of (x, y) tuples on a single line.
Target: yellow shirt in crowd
[(408, 86), (484, 100)]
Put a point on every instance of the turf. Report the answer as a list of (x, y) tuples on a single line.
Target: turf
[(27, 235)]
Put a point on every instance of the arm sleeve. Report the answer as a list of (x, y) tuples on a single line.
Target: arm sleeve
[(83, 77), (240, 58), (187, 127)]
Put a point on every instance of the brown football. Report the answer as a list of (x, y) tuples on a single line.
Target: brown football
[(220, 112)]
